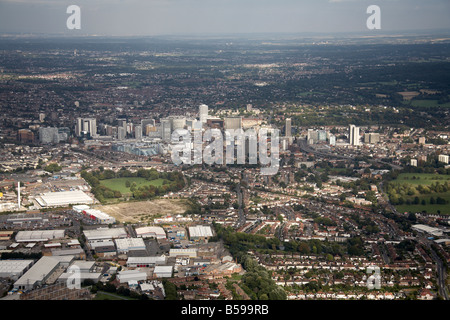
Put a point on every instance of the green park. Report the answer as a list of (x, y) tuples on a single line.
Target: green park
[(420, 192), (125, 185)]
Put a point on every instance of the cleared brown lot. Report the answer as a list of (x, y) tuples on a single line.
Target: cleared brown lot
[(408, 95), (144, 211)]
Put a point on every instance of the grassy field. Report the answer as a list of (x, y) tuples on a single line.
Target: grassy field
[(429, 103), (424, 179), (119, 184), (421, 178)]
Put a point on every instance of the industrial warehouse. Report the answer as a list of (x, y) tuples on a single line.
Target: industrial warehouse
[(151, 232), (37, 274), (14, 269), (39, 235), (104, 234), (63, 198), (128, 244), (200, 233), (134, 257)]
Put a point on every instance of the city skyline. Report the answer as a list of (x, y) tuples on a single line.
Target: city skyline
[(222, 168)]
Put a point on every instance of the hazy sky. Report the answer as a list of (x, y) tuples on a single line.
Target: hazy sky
[(161, 17)]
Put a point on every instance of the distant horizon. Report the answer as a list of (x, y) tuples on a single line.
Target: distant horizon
[(213, 17), (310, 34)]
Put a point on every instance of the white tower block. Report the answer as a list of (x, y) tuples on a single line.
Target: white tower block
[(18, 194)]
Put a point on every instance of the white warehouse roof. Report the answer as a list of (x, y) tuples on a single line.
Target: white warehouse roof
[(80, 208), (146, 260), (130, 275), (100, 215), (105, 233), (11, 268), (163, 271), (428, 229), (126, 244), (200, 231), (63, 198), (37, 273), (39, 235), (156, 232)]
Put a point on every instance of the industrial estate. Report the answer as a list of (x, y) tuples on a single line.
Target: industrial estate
[(94, 207)]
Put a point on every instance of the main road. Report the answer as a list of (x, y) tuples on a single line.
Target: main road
[(241, 215), (440, 269)]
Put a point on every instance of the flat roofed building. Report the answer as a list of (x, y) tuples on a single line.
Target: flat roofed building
[(5, 235), (99, 216), (124, 245), (200, 232), (71, 252), (64, 261), (63, 198), (190, 252), (131, 275), (80, 208), (14, 269), (82, 276), (427, 229), (104, 248), (101, 243), (105, 234), (145, 262), (151, 232), (37, 274), (81, 266), (163, 271), (23, 218), (39, 235)]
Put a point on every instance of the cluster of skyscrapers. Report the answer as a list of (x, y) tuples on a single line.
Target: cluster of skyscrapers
[(320, 136)]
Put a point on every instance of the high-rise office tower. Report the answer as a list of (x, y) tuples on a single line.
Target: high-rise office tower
[(313, 136), (149, 129), (122, 123), (26, 136), (203, 113), (121, 133), (322, 135), (48, 135), (166, 129), (288, 127), (354, 135), (371, 138), (332, 140), (138, 132), (145, 123), (86, 126)]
